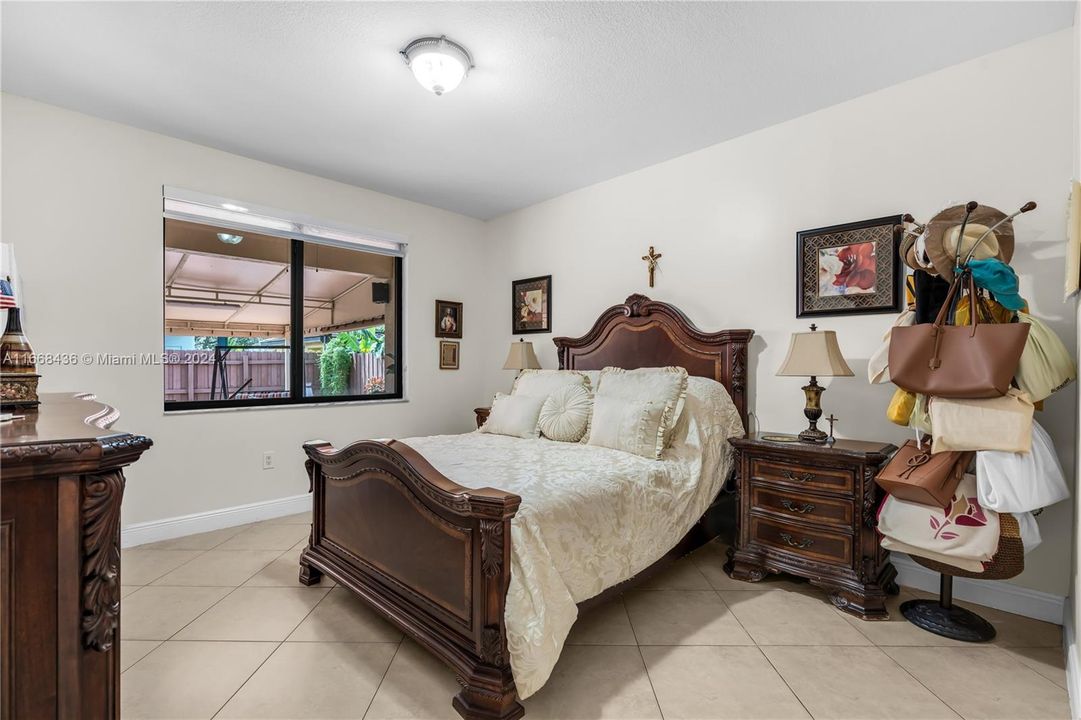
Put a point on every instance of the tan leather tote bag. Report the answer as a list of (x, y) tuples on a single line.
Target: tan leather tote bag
[(977, 360)]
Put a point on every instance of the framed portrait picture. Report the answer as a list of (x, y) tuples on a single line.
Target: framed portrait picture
[(448, 355), (531, 305), (849, 269), (448, 319)]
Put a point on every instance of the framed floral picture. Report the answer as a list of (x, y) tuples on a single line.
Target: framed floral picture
[(849, 269), (531, 305)]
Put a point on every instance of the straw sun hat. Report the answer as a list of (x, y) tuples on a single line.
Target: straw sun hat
[(942, 234)]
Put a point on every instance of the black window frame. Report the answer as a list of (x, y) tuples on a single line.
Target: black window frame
[(296, 344)]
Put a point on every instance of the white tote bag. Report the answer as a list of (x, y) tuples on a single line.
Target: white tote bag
[(1021, 482)]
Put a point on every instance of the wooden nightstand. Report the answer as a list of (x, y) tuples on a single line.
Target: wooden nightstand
[(810, 510), (482, 415)]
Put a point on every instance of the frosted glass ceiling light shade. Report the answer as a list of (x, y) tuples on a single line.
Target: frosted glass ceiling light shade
[(438, 64)]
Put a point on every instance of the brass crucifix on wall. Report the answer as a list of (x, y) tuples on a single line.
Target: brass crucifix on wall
[(651, 259)]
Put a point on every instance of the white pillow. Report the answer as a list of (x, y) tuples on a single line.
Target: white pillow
[(543, 383), (634, 426), (565, 414), (514, 415), (661, 385)]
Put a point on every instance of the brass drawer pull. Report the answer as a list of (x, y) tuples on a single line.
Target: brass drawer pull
[(802, 477), (792, 507), (804, 543)]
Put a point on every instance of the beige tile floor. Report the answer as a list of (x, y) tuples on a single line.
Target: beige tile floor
[(217, 626)]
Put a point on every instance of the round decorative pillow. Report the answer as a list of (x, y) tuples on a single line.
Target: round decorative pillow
[(565, 414)]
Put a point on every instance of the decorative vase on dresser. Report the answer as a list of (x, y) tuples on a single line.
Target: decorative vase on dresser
[(62, 481), (810, 510)]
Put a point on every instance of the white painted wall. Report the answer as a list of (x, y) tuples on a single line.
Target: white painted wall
[(997, 129), (82, 205)]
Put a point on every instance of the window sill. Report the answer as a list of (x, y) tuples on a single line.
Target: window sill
[(284, 406)]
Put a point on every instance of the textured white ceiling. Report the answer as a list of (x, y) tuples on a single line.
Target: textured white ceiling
[(563, 95)]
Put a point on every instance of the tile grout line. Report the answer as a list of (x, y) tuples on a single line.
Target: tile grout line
[(645, 666), (272, 652), (209, 607), (250, 676), (212, 605), (384, 677), (952, 709), (762, 652)]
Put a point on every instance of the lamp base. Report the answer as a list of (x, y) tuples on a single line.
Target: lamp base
[(812, 391)]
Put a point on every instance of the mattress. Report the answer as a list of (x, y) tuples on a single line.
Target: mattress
[(590, 517)]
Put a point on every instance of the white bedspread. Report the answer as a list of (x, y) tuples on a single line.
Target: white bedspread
[(590, 517)]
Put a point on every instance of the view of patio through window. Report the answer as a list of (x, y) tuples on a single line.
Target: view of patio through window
[(231, 305)]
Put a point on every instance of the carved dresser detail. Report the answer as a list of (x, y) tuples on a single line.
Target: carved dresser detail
[(809, 510), (62, 475)]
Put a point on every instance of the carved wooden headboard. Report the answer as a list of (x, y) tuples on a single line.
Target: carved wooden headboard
[(646, 333)]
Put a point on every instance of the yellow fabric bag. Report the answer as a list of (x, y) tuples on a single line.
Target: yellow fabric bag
[(998, 314), (900, 407)]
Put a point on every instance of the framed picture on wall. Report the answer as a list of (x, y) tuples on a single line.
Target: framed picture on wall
[(448, 355), (849, 269), (448, 319), (531, 305)]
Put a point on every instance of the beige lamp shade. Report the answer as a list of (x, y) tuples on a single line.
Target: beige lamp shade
[(521, 357), (815, 354)]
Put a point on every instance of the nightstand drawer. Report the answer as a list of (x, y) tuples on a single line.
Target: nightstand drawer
[(820, 545), (801, 476), (802, 507)]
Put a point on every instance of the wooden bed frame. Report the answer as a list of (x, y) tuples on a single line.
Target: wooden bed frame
[(433, 557)]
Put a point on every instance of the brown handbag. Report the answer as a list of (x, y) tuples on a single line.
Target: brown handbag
[(915, 475), (977, 360)]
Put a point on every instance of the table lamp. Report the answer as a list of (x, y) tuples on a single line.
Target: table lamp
[(814, 354), (521, 357)]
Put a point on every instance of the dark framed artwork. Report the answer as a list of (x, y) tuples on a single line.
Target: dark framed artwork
[(448, 355), (850, 269), (531, 305), (448, 319)]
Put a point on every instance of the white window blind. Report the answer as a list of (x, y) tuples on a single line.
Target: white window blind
[(196, 207)]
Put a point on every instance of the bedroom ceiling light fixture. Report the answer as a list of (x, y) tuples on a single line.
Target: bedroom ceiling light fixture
[(438, 64), (230, 239)]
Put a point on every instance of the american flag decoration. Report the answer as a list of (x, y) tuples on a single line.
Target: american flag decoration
[(7, 294)]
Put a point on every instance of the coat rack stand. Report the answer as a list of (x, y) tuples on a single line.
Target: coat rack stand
[(942, 617)]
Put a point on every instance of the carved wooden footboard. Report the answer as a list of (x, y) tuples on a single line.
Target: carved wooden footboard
[(430, 555)]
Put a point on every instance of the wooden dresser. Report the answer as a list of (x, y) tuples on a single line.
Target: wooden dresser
[(61, 483), (810, 510)]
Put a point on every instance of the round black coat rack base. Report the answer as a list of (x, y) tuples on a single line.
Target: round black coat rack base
[(942, 617)]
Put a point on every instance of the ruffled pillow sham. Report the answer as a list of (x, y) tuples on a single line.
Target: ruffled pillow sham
[(633, 426)]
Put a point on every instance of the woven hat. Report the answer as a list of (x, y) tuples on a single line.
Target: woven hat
[(943, 235)]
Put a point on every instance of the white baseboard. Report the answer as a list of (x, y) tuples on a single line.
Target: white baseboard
[(992, 593), (1073, 670), (169, 528)]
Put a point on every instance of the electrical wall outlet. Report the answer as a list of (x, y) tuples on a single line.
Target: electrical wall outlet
[(268, 460)]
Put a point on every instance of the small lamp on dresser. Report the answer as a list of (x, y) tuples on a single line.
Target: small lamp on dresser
[(814, 354)]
